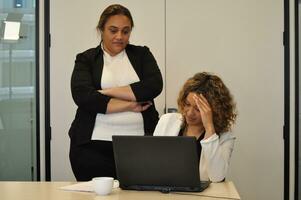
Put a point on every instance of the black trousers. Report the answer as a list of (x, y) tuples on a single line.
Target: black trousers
[(94, 159)]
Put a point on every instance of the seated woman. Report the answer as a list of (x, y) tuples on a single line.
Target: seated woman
[(207, 112)]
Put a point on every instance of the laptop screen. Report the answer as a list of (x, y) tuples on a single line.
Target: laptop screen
[(157, 163)]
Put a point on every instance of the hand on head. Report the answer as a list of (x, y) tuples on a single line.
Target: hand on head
[(217, 119), (206, 113)]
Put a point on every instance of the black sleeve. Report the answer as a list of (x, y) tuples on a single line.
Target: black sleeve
[(151, 83), (84, 92)]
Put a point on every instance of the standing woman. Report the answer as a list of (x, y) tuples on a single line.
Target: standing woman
[(207, 112), (113, 86)]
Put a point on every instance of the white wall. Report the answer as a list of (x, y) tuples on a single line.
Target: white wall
[(239, 40)]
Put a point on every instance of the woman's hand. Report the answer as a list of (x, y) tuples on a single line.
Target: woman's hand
[(206, 114), (118, 105), (140, 106)]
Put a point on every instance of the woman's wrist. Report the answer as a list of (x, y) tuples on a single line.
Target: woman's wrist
[(131, 106), (118, 105), (209, 131)]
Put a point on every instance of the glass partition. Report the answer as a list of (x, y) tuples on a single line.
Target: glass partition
[(18, 102)]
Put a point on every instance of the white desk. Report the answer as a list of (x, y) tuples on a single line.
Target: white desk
[(51, 191)]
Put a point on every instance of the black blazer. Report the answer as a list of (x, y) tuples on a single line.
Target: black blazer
[(85, 82)]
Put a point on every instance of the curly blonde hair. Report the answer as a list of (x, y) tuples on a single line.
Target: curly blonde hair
[(218, 96)]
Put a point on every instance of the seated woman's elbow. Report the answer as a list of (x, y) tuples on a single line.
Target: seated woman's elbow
[(217, 179), (219, 174)]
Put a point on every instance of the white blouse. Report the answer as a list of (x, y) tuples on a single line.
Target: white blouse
[(117, 71), (216, 150)]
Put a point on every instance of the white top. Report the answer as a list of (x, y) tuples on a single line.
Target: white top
[(117, 71), (216, 150)]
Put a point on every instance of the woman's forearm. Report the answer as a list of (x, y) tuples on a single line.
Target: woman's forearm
[(216, 157), (118, 105), (123, 93)]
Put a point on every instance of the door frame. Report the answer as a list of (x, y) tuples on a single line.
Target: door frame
[(286, 127), (47, 44), (296, 26)]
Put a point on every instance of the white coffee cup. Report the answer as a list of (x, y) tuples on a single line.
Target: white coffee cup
[(103, 185)]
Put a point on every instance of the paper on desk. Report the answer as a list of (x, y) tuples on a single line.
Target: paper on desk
[(84, 186)]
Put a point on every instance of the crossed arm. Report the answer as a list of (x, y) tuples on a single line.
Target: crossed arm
[(123, 99), (135, 97)]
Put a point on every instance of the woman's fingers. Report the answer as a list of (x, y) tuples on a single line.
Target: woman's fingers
[(202, 103), (197, 101), (206, 113), (145, 107), (141, 106), (203, 106)]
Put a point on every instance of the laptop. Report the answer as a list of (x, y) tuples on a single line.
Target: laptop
[(161, 163)]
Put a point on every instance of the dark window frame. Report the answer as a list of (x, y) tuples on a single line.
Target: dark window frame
[(47, 90), (296, 181)]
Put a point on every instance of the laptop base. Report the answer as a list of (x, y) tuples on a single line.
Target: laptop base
[(167, 189)]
